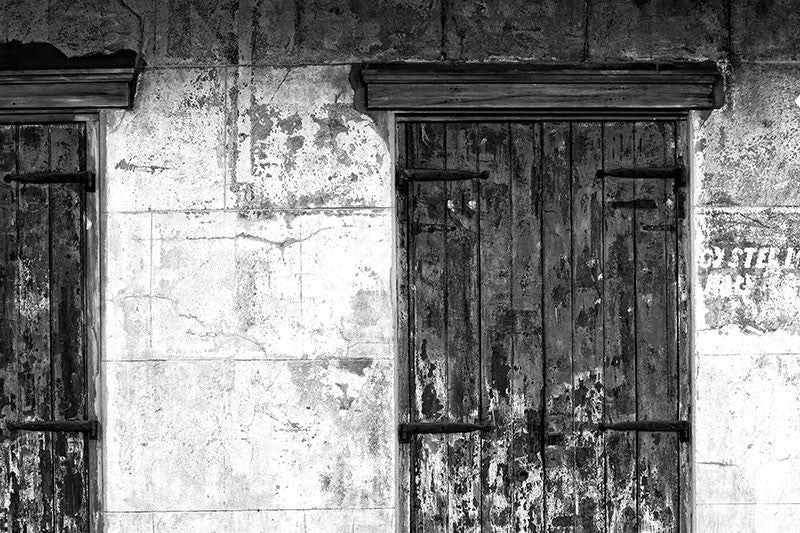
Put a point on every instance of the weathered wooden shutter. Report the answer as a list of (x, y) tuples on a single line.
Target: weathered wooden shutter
[(43, 371), (547, 376)]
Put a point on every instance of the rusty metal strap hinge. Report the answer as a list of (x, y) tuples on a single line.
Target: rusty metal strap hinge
[(87, 179), (90, 427), (429, 174), (639, 203), (406, 431), (660, 173), (659, 227), (681, 427)]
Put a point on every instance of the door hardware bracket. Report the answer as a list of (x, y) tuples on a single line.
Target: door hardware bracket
[(49, 178), (682, 427), (639, 203), (407, 430), (90, 427)]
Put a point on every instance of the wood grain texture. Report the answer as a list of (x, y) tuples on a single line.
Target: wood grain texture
[(620, 335), (43, 358), (428, 260), (657, 383), (68, 352), (682, 304), (586, 87), (67, 89), (580, 322), (9, 477), (461, 234), (503, 96), (557, 316), (587, 324), (33, 336), (497, 320), (404, 330), (525, 454)]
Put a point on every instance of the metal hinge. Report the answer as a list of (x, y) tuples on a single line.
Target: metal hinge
[(405, 431), (659, 227), (639, 203), (90, 427), (660, 173), (428, 174), (682, 427), (87, 179)]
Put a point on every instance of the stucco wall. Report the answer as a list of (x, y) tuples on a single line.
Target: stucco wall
[(248, 360)]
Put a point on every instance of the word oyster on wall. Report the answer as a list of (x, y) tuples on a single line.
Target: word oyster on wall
[(749, 277), (751, 257)]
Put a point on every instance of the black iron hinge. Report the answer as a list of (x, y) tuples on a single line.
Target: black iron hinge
[(407, 430), (90, 427), (676, 173), (87, 179), (682, 427), (428, 174)]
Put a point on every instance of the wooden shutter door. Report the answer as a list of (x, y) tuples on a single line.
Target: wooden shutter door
[(43, 469), (540, 311)]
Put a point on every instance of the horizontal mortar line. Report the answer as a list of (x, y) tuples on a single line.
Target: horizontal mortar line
[(245, 360), (746, 503), (254, 510), (249, 210), (768, 61), (746, 209), (749, 354), (190, 66)]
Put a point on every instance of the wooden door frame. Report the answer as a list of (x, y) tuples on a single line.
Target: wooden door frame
[(394, 94), (92, 294), (41, 85)]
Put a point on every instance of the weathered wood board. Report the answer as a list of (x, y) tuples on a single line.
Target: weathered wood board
[(44, 478), (542, 302)]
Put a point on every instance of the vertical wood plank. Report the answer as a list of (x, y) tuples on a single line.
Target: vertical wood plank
[(682, 325), (463, 328), (32, 348), (9, 476), (527, 474), (556, 246), (67, 329), (619, 364), (657, 365), (587, 324), (404, 331), (428, 260), (497, 320)]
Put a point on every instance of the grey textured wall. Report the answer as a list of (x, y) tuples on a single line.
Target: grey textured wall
[(249, 363)]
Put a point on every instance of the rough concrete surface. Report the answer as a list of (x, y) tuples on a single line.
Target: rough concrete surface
[(249, 249), (750, 149), (754, 398), (656, 30), (540, 31), (248, 374), (765, 30), (748, 281)]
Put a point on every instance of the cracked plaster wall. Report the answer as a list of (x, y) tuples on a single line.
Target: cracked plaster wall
[(248, 364)]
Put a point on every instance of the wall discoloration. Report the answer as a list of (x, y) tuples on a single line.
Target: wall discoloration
[(238, 419), (248, 244), (762, 30), (542, 31), (169, 152), (77, 28), (749, 279), (751, 148), (334, 31), (663, 30), (753, 397), (306, 145)]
